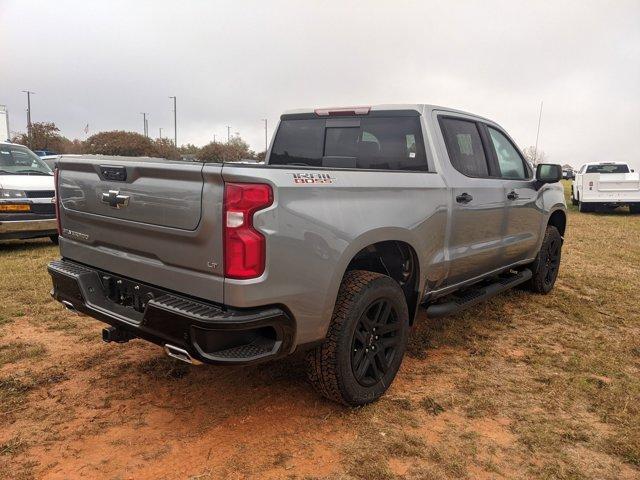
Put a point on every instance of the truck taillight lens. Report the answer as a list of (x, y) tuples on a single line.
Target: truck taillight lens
[(244, 246), (56, 200)]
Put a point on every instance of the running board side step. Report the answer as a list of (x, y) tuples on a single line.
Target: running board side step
[(457, 302)]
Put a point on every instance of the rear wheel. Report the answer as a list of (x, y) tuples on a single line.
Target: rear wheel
[(547, 263), (365, 343), (54, 238)]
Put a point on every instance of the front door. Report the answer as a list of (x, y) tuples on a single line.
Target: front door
[(524, 210)]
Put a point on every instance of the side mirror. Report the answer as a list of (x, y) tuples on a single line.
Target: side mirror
[(548, 173)]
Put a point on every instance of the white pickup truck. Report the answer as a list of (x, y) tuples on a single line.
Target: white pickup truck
[(606, 185)]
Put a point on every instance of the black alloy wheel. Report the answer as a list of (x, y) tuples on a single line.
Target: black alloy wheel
[(375, 341)]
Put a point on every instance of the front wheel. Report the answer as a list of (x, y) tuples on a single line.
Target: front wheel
[(547, 263), (574, 200), (365, 343)]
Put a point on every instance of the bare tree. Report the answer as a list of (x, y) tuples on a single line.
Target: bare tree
[(535, 157)]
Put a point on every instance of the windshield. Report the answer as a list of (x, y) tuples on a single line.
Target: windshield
[(610, 168), (18, 160)]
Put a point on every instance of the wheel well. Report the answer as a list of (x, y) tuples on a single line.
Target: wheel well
[(559, 220), (396, 259)]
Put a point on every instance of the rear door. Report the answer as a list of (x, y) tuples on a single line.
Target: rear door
[(523, 214), (155, 221), (478, 200)]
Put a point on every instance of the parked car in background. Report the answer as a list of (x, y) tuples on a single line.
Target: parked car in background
[(568, 174), (44, 153), (359, 215), (606, 185), (27, 208), (50, 160)]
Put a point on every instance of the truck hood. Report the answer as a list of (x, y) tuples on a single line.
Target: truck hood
[(26, 182)]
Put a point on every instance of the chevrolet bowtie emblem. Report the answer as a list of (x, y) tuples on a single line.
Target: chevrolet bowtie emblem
[(114, 199)]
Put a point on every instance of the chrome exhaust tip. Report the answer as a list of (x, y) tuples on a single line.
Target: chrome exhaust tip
[(180, 354), (69, 306)]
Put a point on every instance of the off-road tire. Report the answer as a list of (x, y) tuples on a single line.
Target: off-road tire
[(329, 366), (547, 263)]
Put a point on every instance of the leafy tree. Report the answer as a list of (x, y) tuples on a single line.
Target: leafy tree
[(44, 136), (164, 148), (212, 152), (188, 149), (234, 150), (119, 142)]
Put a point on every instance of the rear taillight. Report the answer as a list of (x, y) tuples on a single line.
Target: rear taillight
[(244, 246), (56, 199)]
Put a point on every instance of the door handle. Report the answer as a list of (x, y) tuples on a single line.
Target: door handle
[(464, 198), (512, 195)]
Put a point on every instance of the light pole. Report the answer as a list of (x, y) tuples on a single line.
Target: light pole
[(29, 93), (228, 133), (144, 124), (160, 133), (266, 143), (175, 123)]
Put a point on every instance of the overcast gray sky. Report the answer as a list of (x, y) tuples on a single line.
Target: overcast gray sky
[(234, 63)]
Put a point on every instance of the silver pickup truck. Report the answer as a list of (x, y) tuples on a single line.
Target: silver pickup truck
[(359, 216)]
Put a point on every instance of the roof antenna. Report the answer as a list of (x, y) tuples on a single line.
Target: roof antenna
[(535, 150)]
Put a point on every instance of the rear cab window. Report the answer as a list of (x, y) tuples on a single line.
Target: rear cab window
[(381, 142), (608, 168)]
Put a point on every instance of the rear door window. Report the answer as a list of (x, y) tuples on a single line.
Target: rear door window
[(378, 143), (464, 146)]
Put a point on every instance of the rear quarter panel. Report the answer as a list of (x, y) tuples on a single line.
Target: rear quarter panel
[(314, 230)]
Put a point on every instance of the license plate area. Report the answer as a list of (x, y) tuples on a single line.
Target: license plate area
[(128, 293)]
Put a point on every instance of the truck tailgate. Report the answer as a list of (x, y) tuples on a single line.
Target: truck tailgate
[(618, 182), (614, 187), (152, 220)]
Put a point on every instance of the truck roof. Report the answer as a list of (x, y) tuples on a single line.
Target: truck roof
[(418, 107), (605, 163)]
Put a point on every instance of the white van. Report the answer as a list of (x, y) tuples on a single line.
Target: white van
[(27, 208)]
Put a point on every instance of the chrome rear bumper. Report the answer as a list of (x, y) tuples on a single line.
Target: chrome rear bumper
[(17, 227)]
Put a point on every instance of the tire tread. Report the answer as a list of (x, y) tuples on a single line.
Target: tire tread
[(322, 361)]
